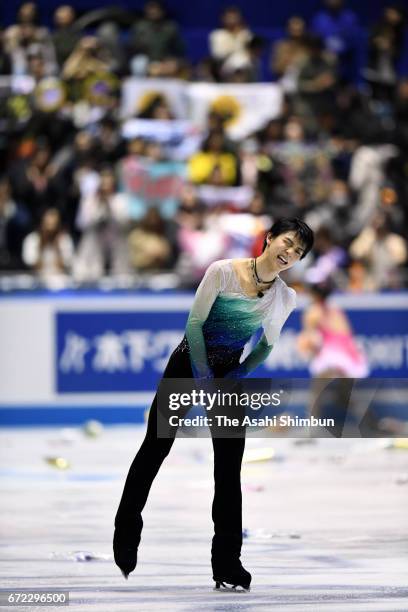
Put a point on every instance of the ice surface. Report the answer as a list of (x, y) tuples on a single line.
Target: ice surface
[(340, 497)]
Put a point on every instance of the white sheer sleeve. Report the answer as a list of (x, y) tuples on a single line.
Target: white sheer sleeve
[(274, 321), (209, 288)]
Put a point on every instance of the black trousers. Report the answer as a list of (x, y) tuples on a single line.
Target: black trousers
[(228, 452)]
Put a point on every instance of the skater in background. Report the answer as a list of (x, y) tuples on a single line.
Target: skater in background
[(327, 340), (234, 300)]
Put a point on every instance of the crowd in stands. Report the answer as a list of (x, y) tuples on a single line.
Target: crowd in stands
[(335, 155)]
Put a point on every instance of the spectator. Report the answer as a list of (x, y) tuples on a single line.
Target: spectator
[(300, 174), (334, 211), (81, 163), (230, 42), (27, 37), (109, 143), (289, 53), (200, 243), (135, 148), (109, 35), (52, 126), (156, 108), (86, 59), (385, 47), (358, 280), (189, 204), (329, 258), (338, 28), (36, 67), (249, 158), (401, 115), (65, 36), (14, 223), (214, 164), (257, 208), (241, 230), (5, 61), (153, 151), (191, 211), (340, 150), (156, 47), (49, 250), (396, 170), (316, 86), (383, 251), (392, 207), (78, 166), (28, 14), (35, 183), (367, 174), (103, 218), (272, 132), (151, 243), (355, 119), (244, 67), (335, 156)]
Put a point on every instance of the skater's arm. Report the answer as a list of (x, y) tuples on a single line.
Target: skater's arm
[(257, 356), (272, 326), (205, 296)]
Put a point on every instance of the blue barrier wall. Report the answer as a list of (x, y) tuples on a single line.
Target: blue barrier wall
[(66, 356), (115, 351)]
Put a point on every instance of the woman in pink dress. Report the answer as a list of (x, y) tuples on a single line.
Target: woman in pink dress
[(327, 340)]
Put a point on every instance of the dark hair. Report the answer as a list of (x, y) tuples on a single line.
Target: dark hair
[(323, 289), (215, 132), (293, 224), (158, 3), (232, 8), (256, 42)]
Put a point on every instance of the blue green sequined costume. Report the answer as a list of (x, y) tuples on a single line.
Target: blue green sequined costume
[(221, 322)]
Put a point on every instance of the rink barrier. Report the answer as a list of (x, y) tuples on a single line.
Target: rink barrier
[(40, 375)]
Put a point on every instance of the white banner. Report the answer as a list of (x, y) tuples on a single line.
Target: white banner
[(137, 94), (238, 197), (248, 106), (180, 138)]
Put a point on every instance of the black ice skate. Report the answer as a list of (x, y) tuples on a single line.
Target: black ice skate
[(226, 565), (126, 541), (233, 576)]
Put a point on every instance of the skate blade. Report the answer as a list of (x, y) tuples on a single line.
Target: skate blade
[(126, 576), (222, 587)]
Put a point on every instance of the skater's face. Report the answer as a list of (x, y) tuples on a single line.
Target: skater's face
[(284, 250)]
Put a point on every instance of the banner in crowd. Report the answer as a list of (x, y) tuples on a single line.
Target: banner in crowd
[(152, 184), (246, 107), (236, 197), (138, 95), (179, 138)]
